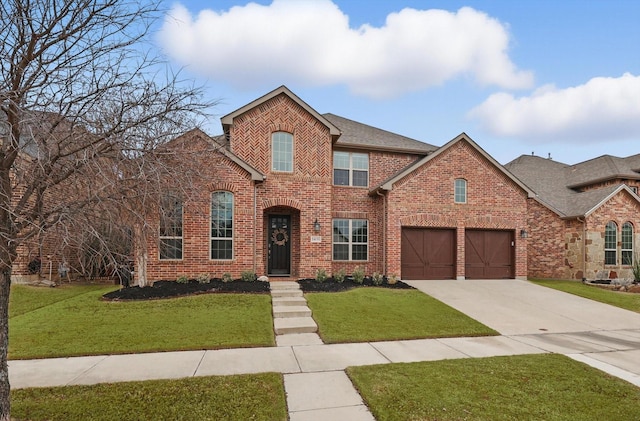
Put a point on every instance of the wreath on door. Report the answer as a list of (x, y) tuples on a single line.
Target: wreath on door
[(279, 236)]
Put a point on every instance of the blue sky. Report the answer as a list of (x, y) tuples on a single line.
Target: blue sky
[(551, 77)]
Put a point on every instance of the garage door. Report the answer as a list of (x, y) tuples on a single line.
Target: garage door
[(428, 253), (489, 254)]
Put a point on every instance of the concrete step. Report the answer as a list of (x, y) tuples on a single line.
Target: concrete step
[(291, 311), (294, 325), (298, 339), (286, 293), (277, 286), (288, 301)]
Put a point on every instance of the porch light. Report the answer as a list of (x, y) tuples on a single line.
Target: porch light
[(316, 225), (524, 234)]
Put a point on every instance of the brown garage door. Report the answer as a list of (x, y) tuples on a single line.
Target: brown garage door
[(489, 254), (428, 253)]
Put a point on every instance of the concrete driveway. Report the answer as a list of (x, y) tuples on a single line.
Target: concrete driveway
[(514, 307)]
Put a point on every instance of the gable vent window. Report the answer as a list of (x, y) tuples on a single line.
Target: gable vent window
[(460, 190), (282, 152), (350, 169)]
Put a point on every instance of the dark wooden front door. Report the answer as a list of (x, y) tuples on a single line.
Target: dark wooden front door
[(489, 254), (428, 253), (279, 245)]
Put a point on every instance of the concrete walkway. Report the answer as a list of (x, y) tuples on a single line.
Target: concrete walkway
[(317, 387)]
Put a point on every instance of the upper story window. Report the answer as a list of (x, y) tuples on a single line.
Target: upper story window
[(611, 243), (350, 169), (222, 225), (460, 190), (282, 152), (170, 227), (627, 244), (350, 239)]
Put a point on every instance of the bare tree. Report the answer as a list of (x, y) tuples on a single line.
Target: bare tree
[(82, 113)]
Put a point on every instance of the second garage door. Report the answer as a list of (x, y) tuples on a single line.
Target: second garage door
[(428, 253), (489, 254)]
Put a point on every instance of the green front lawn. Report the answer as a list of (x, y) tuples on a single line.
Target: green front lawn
[(379, 314), (526, 387), (628, 301), (243, 397), (72, 321)]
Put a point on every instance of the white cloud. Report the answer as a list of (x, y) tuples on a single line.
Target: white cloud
[(310, 42), (603, 109)]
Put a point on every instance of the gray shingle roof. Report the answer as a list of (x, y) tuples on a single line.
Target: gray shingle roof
[(554, 182), (358, 135)]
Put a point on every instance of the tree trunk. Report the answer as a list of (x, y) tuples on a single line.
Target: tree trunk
[(5, 402), (141, 256)]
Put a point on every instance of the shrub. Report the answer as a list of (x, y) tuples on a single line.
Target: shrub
[(392, 279), (248, 276), (203, 278), (636, 268), (182, 279), (358, 275), (226, 277), (321, 275), (377, 278), (339, 276)]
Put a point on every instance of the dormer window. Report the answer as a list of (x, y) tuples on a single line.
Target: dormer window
[(282, 152), (350, 169)]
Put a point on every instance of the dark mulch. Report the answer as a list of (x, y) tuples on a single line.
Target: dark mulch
[(169, 289), (331, 285)]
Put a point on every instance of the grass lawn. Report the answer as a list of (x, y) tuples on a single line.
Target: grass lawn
[(72, 321), (526, 387), (242, 397), (628, 301), (379, 314)]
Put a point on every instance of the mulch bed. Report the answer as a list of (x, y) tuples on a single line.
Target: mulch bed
[(331, 285), (169, 289)]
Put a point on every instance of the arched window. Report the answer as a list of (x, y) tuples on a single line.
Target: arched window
[(282, 152), (627, 244), (222, 225), (611, 243), (460, 190)]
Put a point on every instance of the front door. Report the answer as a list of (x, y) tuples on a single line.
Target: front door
[(279, 245)]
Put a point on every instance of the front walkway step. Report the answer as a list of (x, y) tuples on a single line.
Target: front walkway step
[(295, 325), (288, 301), (286, 293), (291, 311), (298, 339), (278, 286)]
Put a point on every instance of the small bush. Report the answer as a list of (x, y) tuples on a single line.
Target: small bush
[(358, 275), (377, 278), (339, 276), (248, 276), (203, 278), (392, 279), (182, 279), (635, 268), (321, 275), (226, 277)]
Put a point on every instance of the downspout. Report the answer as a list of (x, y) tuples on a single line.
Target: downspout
[(584, 248), (384, 232), (255, 216)]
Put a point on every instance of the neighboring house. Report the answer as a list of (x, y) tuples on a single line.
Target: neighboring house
[(584, 220), (293, 191)]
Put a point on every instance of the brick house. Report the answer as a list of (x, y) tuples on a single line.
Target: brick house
[(289, 191), (584, 219)]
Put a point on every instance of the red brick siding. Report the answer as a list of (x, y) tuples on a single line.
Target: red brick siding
[(547, 246), (425, 199)]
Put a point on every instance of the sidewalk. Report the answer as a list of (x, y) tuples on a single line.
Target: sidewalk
[(317, 387)]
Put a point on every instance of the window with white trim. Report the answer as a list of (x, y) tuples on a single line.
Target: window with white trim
[(350, 239), (222, 225), (170, 227), (282, 152), (350, 169), (460, 190), (611, 243), (627, 244)]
